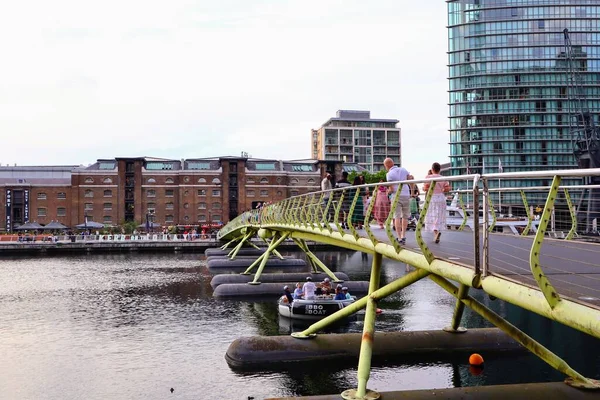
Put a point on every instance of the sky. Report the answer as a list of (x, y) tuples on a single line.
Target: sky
[(178, 79)]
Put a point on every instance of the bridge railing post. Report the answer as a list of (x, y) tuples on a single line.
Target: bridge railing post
[(476, 228), (486, 226)]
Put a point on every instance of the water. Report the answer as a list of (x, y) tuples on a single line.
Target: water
[(134, 326)]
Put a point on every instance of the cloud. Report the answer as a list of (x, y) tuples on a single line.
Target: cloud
[(195, 79)]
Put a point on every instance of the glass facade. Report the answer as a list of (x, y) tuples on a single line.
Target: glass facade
[(509, 97)]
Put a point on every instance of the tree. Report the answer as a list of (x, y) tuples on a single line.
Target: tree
[(369, 177)]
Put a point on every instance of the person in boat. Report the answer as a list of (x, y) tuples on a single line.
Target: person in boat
[(298, 291), (287, 294), (435, 220), (308, 289), (326, 286), (345, 291), (339, 295)]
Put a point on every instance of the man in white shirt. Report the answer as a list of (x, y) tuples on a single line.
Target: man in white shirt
[(402, 211), (309, 289), (326, 185)]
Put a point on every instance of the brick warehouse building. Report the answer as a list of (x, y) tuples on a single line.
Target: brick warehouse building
[(168, 192)]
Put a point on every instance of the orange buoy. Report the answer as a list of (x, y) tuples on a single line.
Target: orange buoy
[(476, 359)]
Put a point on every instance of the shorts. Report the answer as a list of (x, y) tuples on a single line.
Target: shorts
[(402, 208)]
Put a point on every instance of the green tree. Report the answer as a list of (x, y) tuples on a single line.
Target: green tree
[(369, 177), (129, 226)]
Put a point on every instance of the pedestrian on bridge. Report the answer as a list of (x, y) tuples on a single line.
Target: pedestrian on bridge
[(402, 211), (435, 220)]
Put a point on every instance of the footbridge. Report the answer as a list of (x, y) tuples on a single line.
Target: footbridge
[(551, 266)]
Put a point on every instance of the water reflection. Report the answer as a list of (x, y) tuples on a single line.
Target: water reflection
[(135, 325)]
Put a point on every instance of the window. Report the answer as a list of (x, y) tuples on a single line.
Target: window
[(279, 193), (107, 206), (186, 205), (250, 193), (201, 192), (169, 206), (186, 218), (89, 180), (169, 192), (169, 218), (201, 218), (216, 192), (201, 180), (61, 212), (107, 219), (201, 206), (41, 212), (169, 180), (216, 181), (302, 168), (264, 193), (294, 181), (61, 196), (186, 192), (186, 179), (278, 179), (264, 180), (108, 193), (250, 180), (216, 218), (159, 165), (89, 206), (41, 196), (294, 193), (265, 166), (216, 206), (106, 165), (311, 180), (107, 180), (151, 193), (89, 193), (541, 24), (151, 180), (151, 207), (198, 165)]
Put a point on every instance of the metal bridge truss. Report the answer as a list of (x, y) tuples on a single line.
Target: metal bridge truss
[(322, 217)]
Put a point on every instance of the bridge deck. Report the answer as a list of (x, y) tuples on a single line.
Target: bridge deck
[(573, 267)]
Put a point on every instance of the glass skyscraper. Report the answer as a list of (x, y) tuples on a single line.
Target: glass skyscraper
[(509, 97)]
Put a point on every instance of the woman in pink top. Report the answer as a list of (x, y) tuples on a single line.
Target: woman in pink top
[(381, 209), (435, 220)]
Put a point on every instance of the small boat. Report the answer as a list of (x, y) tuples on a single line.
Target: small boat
[(319, 308)]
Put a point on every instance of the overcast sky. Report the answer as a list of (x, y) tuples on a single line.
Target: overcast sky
[(178, 79)]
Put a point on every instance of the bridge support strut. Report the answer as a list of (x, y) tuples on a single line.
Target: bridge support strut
[(575, 378)]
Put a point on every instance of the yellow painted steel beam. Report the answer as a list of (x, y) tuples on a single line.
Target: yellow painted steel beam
[(529, 216), (534, 255), (573, 229), (525, 340), (368, 216), (419, 237), (577, 316)]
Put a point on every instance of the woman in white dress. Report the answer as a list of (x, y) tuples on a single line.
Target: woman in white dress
[(435, 220)]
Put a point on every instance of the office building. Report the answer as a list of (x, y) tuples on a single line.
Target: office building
[(355, 137), (509, 108)]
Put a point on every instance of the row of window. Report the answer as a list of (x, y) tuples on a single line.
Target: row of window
[(59, 196), (512, 15), (539, 78), (533, 38), (519, 93), (511, 53), (511, 67), (107, 219), (518, 27), (529, 107)]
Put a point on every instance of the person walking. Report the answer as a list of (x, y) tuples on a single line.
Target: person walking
[(345, 207), (381, 210), (435, 220), (326, 187), (402, 211)]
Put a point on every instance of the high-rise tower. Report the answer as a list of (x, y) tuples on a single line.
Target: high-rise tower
[(509, 105)]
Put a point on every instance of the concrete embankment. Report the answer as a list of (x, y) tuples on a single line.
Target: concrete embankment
[(247, 251), (267, 351), (530, 391), (270, 277), (274, 289), (217, 263)]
